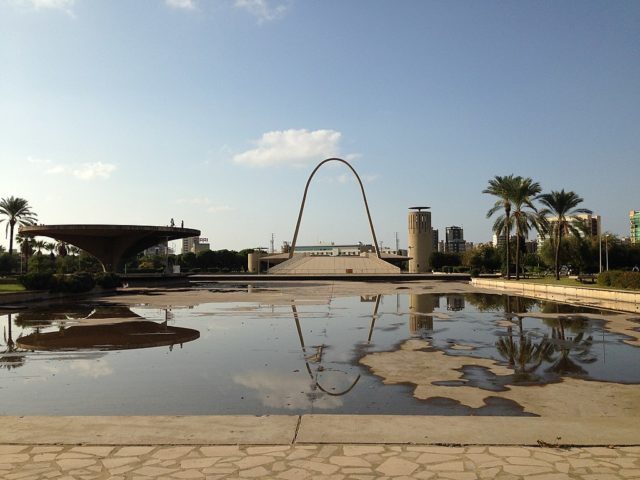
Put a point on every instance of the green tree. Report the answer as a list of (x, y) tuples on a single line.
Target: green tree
[(503, 188), (525, 214), (561, 206), (17, 211)]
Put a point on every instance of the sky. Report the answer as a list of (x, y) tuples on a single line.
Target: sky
[(215, 112)]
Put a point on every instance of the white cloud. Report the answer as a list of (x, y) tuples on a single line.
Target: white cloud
[(291, 147), (184, 4), (205, 202), (278, 390), (89, 171), (219, 208), (63, 5), (82, 171), (263, 10), (91, 368)]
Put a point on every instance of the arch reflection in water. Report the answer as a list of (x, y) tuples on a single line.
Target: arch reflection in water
[(316, 357)]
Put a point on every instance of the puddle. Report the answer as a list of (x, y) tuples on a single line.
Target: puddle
[(256, 358)]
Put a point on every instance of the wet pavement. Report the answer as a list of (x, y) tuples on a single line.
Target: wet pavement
[(289, 462)]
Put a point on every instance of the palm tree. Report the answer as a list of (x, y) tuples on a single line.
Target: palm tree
[(503, 188), (525, 214), (17, 210), (561, 206)]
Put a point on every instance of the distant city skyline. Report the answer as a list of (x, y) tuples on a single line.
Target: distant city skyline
[(215, 112)]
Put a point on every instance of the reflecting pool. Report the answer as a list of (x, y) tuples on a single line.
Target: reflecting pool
[(374, 354)]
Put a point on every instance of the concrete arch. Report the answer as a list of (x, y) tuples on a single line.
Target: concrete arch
[(304, 199)]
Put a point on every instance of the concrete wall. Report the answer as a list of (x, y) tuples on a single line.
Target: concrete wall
[(621, 300)]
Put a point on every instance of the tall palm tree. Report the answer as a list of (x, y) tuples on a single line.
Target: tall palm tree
[(503, 188), (525, 214), (17, 210), (561, 206)]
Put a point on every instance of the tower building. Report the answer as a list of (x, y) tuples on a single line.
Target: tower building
[(419, 239)]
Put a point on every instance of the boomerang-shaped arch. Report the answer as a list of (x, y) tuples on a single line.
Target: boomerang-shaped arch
[(304, 199)]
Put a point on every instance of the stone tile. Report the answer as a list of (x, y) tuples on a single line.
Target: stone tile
[(458, 475), (424, 475), (221, 451), (481, 459), (154, 471), (188, 474), (75, 463), (397, 466), (189, 463), (266, 450), (373, 458), (297, 454), (625, 462), (354, 450), (602, 452), (456, 466), (66, 455), (328, 477), (349, 462), (548, 457), (635, 450), (356, 471), (279, 466), (118, 461), (629, 472), (133, 451), (562, 467), (435, 458), (327, 450), (581, 462), (294, 474), (96, 451), (43, 457), (550, 476), (525, 470), (123, 469), (8, 449), (257, 472), (603, 470), (598, 476), (171, 452), (510, 451), (475, 450), (45, 449), (219, 470), (254, 461), (323, 468), (527, 461), (489, 472), (14, 458)]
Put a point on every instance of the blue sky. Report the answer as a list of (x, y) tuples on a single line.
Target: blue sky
[(215, 111)]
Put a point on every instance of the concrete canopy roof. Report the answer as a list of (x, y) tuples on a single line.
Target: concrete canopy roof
[(110, 243)]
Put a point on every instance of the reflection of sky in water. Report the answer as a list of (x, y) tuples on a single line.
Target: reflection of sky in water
[(249, 359)]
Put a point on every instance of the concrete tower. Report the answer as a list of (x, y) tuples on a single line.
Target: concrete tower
[(419, 239)]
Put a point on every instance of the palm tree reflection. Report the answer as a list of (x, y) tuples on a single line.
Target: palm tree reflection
[(11, 357)]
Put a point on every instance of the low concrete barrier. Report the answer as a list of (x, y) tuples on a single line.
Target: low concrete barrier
[(593, 297)]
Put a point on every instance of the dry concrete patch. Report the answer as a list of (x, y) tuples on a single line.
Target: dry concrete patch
[(149, 430), (415, 363)]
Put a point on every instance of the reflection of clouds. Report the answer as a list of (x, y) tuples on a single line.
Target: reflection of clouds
[(80, 367), (278, 390), (93, 369)]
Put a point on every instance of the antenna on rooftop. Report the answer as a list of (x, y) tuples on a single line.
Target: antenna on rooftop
[(272, 243)]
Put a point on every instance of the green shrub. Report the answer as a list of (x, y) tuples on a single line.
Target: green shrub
[(75, 283), (108, 280), (475, 272), (620, 279), (36, 281)]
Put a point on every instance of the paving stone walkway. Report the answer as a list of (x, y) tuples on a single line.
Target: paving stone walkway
[(292, 462)]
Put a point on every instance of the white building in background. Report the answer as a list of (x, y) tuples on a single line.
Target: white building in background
[(195, 245), (592, 225), (162, 249)]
